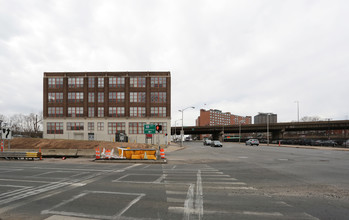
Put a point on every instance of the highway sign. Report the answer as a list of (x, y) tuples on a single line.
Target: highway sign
[(149, 129), (6, 133)]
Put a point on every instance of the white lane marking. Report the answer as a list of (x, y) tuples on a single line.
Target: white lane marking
[(83, 215), (283, 159), (223, 178), (189, 202), (174, 167), (175, 192), (231, 187), (35, 191), (163, 176), (129, 205), (175, 200), (145, 167), (199, 203), (8, 171), (262, 213), (242, 157), (14, 186), (59, 217), (225, 183)]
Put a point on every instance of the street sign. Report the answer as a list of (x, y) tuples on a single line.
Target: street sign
[(149, 129), (6, 133)]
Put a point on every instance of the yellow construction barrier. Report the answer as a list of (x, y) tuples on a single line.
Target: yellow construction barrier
[(137, 154)]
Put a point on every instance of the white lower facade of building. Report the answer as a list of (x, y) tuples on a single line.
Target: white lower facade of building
[(104, 129)]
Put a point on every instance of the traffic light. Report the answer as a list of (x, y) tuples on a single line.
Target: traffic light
[(158, 128)]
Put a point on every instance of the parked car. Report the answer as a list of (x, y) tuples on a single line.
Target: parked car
[(346, 143), (329, 143), (216, 144), (207, 142), (252, 142)]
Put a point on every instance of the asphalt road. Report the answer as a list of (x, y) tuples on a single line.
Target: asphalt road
[(199, 182)]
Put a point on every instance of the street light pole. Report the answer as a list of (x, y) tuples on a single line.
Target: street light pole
[(297, 110), (268, 129), (175, 129), (240, 129), (182, 132)]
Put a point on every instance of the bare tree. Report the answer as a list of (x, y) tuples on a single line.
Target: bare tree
[(310, 118)]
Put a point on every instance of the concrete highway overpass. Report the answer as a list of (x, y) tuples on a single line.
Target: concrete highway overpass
[(277, 129)]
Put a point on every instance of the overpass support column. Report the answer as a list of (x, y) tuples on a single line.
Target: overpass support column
[(277, 135), (217, 136)]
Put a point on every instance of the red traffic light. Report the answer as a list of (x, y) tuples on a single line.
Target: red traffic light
[(158, 128)]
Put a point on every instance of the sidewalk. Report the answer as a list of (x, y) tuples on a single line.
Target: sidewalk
[(308, 147)]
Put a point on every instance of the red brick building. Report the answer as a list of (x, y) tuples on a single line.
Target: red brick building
[(214, 117), (97, 105)]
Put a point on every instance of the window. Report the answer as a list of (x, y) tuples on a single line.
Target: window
[(100, 82), (115, 97), (137, 112), (112, 97), (158, 111), (54, 127), (137, 97), (137, 82), (116, 82), (100, 126), (75, 126), (100, 111), (100, 97), (75, 111), (120, 82), (76, 82), (91, 112), (91, 126), (136, 127), (91, 97), (75, 97), (116, 111), (158, 82), (55, 83), (158, 97), (55, 97), (91, 82), (116, 127), (55, 112), (164, 126), (120, 97)]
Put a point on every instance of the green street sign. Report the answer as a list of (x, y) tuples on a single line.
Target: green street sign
[(149, 129)]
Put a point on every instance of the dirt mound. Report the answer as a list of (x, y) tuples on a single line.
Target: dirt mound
[(36, 143)]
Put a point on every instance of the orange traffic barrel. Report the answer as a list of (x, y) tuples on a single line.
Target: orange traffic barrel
[(98, 154), (162, 153)]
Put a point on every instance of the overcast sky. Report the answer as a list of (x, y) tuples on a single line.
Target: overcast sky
[(242, 57)]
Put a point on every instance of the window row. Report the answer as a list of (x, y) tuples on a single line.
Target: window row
[(114, 82), (113, 112), (114, 97), (113, 127)]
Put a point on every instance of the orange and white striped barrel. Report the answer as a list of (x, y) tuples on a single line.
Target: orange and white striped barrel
[(98, 154), (162, 153)]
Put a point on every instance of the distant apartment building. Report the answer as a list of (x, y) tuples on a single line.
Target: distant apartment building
[(262, 118), (214, 117), (98, 105)]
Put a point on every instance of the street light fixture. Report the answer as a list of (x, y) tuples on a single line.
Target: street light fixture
[(182, 132)]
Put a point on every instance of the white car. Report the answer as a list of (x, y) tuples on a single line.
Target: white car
[(252, 142), (207, 142)]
